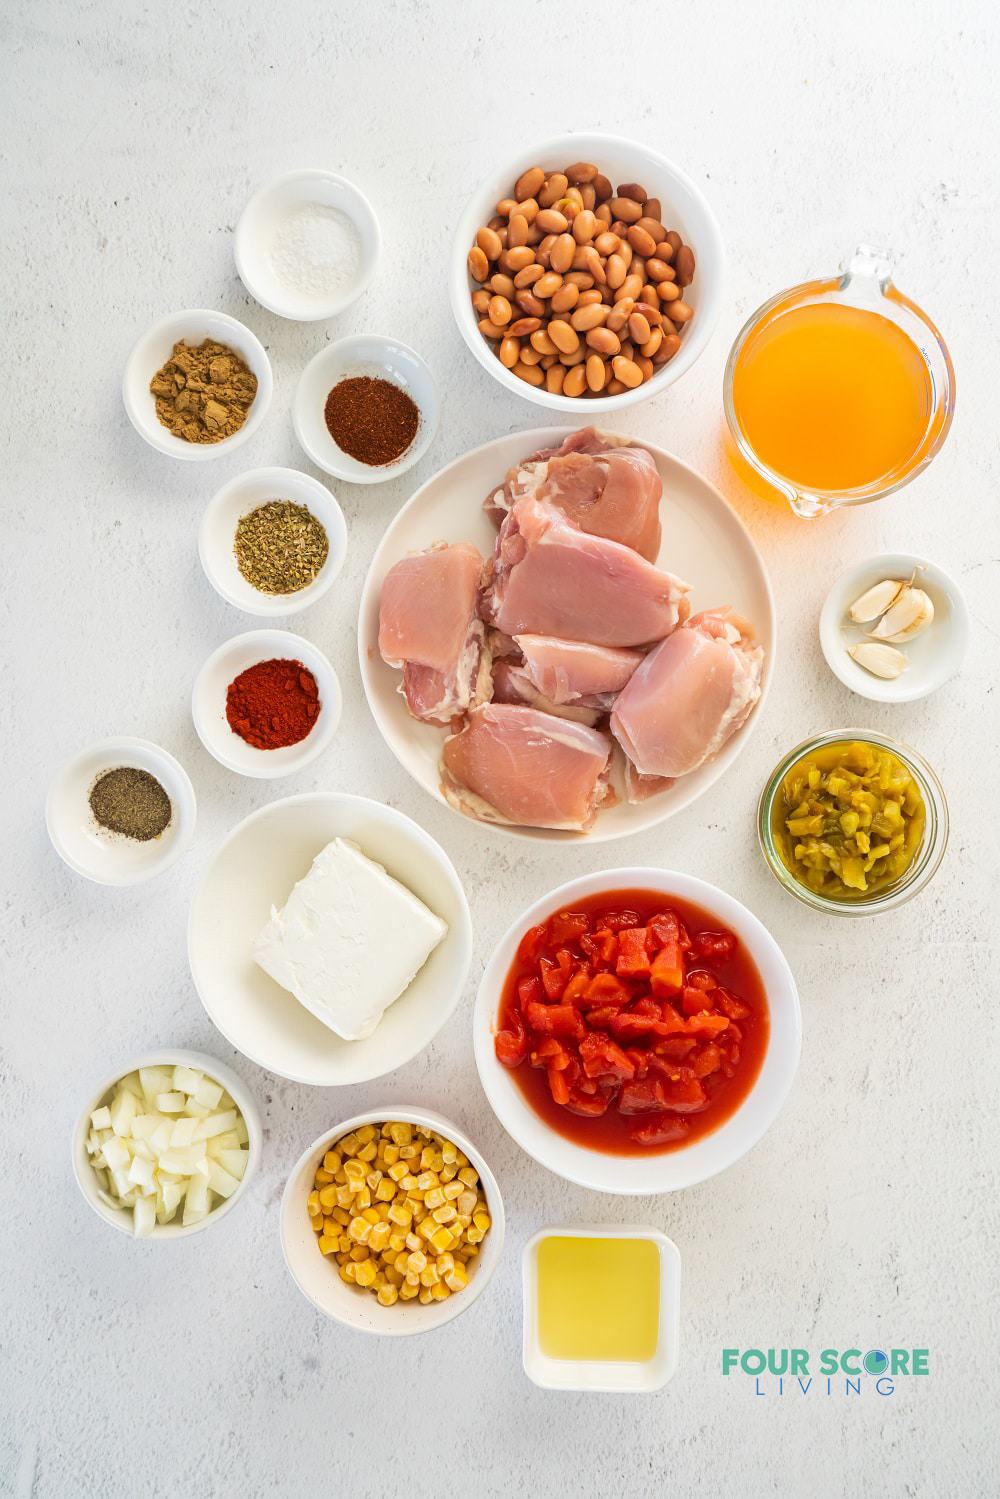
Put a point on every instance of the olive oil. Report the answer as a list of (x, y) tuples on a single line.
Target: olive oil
[(598, 1299)]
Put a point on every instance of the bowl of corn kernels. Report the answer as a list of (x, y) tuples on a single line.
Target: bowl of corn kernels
[(392, 1222)]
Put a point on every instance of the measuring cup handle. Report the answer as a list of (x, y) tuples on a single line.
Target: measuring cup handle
[(868, 268)]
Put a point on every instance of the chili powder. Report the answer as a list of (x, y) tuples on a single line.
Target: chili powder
[(371, 420), (273, 704)]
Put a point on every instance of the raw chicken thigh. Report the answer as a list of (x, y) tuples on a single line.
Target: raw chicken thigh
[(688, 697), (604, 485), (517, 765), (550, 578), (429, 624), (570, 671)]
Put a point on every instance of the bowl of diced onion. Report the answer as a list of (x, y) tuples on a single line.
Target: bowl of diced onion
[(167, 1146), (316, 1271)]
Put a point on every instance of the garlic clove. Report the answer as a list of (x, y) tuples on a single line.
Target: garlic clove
[(875, 601), (879, 658), (911, 613)]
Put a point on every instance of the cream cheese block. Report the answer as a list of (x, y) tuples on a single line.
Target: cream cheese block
[(348, 941)]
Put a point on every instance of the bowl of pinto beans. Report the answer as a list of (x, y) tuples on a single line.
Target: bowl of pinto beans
[(637, 1030)]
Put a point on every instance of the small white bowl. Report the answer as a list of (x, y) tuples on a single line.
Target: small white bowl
[(934, 656), (255, 869), (317, 1277), (667, 1171), (109, 858), (610, 1377), (382, 359), (154, 349), (685, 208), (217, 534), (208, 703), (121, 1218), (261, 218)]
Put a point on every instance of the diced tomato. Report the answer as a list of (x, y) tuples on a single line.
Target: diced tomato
[(707, 1025), (577, 987), (552, 1053), (555, 1020), (694, 1001), (567, 926), (633, 955), (554, 979), (601, 947), (666, 975), (630, 1026), (700, 978), (558, 1086), (664, 930), (708, 1060), (606, 989), (662, 1130), (731, 1006), (589, 1105), (599, 1019), (601, 1057), (674, 1048), (639, 1060), (617, 921), (717, 945), (532, 943), (667, 1067), (647, 1005), (684, 1095), (530, 991), (511, 1044), (734, 1033), (647, 1097)]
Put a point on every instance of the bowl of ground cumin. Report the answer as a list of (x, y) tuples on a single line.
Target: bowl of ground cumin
[(197, 384), (366, 409)]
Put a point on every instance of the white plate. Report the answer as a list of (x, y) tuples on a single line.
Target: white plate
[(658, 1171), (933, 657), (703, 542), (255, 869)]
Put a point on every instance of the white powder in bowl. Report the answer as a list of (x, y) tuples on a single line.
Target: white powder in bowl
[(315, 251)]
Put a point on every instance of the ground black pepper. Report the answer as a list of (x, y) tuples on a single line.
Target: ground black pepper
[(130, 802), (371, 420)]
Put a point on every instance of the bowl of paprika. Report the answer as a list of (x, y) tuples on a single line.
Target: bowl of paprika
[(266, 703)]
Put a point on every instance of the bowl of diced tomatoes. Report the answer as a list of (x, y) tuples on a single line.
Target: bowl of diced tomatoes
[(637, 1030)]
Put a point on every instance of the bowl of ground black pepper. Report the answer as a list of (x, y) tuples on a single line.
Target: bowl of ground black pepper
[(266, 703), (197, 384), (366, 409), (121, 811), (272, 541)]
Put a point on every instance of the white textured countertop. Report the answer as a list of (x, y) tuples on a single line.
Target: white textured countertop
[(868, 1216)]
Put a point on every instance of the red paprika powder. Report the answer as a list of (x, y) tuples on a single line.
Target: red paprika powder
[(273, 704)]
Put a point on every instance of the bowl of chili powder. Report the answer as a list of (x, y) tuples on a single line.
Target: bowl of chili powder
[(366, 409), (266, 703)]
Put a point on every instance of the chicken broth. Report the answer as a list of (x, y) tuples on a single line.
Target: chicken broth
[(633, 1022)]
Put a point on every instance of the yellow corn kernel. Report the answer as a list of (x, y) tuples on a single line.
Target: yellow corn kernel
[(481, 1219), (401, 1134), (386, 1190), (473, 1236), (448, 1173), (400, 1213), (328, 1197), (387, 1295), (367, 1153), (398, 1171), (426, 1180), (379, 1237), (345, 1244), (444, 1214), (341, 1216), (323, 1178), (424, 1296), (449, 1154), (363, 1198), (418, 1261), (394, 1276), (410, 1279), (466, 1201), (467, 1175), (344, 1197), (327, 1245), (445, 1263), (332, 1161), (427, 1228), (317, 1225), (409, 1152), (397, 1240), (347, 1272), (331, 1226), (427, 1158), (408, 1183), (407, 1293), (366, 1133), (312, 1203), (371, 1216), (364, 1275), (440, 1292), (457, 1279), (435, 1198), (359, 1252), (391, 1155), (429, 1276), (453, 1191), (442, 1238), (348, 1145), (358, 1229)]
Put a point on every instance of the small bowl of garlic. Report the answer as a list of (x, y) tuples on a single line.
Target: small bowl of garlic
[(894, 628)]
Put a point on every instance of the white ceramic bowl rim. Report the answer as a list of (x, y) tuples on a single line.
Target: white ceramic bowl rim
[(709, 1154), (415, 1318), (220, 1072), (707, 244)]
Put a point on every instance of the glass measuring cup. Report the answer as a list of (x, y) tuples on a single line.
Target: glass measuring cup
[(865, 285)]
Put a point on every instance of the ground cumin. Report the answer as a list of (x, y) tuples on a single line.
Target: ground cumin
[(203, 392)]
